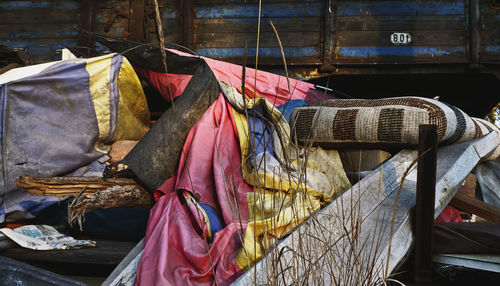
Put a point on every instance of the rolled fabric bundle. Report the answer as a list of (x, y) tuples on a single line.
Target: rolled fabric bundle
[(379, 123)]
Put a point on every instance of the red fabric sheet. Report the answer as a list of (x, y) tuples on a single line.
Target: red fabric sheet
[(178, 82), (175, 251), (449, 214)]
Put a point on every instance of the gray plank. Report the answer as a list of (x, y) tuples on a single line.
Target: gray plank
[(368, 206)]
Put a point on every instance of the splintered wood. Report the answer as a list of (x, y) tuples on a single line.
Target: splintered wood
[(69, 186), (116, 196), (91, 193)]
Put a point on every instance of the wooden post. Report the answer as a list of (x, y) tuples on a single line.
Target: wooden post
[(187, 19), (85, 42), (137, 18), (426, 189)]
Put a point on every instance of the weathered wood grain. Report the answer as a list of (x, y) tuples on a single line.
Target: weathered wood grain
[(370, 204), (441, 38), (66, 186), (124, 274)]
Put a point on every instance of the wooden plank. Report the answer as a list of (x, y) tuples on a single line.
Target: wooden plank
[(13, 272), (424, 208), (124, 274), (237, 40), (42, 49), (66, 186), (40, 16), (490, 38), (418, 38), (39, 31), (483, 262), (401, 23), (136, 27), (400, 7), (251, 10), (106, 252), (399, 54), (247, 1), (87, 19), (187, 20), (472, 205), (15, 6), (249, 25), (371, 204)]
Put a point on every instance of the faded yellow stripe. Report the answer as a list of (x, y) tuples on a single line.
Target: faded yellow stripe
[(133, 113), (99, 77)]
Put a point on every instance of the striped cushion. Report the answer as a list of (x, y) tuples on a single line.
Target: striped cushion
[(488, 127), (379, 123)]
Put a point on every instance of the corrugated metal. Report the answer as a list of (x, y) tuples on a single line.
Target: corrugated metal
[(40, 27), (363, 30)]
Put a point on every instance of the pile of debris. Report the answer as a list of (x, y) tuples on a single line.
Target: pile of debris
[(247, 176)]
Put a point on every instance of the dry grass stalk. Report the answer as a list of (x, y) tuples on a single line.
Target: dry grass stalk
[(161, 39)]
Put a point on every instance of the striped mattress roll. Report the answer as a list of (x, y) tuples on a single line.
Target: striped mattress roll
[(379, 123), (488, 127)]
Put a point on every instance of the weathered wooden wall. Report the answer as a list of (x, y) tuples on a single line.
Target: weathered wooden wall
[(221, 29), (363, 29), (41, 27), (335, 37), (124, 25), (489, 26)]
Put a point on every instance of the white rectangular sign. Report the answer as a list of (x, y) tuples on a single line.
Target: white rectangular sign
[(400, 38)]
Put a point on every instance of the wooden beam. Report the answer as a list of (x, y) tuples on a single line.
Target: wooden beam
[(424, 209), (70, 186), (472, 205), (187, 20), (106, 252), (371, 201), (137, 21), (85, 42)]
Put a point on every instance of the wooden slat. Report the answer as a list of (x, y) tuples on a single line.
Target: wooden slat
[(472, 205), (64, 186), (327, 238), (400, 23), (124, 274), (247, 1), (237, 40), (419, 38), (39, 31), (283, 25), (42, 49), (106, 252), (251, 10), (39, 16), (400, 7), (15, 6), (136, 22)]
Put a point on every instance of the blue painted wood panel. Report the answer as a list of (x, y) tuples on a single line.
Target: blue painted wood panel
[(359, 31), (363, 29), (221, 30), (42, 28), (489, 32)]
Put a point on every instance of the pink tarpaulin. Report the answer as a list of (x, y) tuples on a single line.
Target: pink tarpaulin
[(177, 250)]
